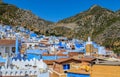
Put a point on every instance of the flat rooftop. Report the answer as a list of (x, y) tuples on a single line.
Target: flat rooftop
[(115, 63)]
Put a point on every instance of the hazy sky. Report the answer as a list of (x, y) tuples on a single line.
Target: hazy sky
[(54, 10)]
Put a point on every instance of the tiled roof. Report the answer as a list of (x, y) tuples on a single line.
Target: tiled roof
[(7, 42), (71, 54), (87, 59), (62, 60), (62, 50), (2, 63), (44, 41), (49, 62), (77, 59)]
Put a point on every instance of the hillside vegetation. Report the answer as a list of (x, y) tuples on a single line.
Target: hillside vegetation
[(11, 15), (100, 23)]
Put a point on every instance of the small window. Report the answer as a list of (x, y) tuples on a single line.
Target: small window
[(7, 50), (66, 66), (13, 49)]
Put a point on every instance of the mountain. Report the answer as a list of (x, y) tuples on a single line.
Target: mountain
[(101, 24), (11, 15)]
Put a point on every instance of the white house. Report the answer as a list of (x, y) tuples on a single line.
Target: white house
[(7, 47)]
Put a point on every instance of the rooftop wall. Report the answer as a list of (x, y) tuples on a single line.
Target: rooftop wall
[(105, 71)]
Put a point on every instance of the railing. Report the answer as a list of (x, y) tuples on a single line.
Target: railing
[(9, 72)]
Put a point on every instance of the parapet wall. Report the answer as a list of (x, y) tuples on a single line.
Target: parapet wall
[(105, 71)]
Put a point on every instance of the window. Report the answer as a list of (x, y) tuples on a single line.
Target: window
[(7, 50), (66, 66), (13, 49)]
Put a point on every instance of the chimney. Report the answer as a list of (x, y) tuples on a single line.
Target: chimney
[(89, 39)]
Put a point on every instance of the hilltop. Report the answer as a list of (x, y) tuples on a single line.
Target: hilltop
[(101, 24), (12, 15)]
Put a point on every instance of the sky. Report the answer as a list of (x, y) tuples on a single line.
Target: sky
[(55, 10)]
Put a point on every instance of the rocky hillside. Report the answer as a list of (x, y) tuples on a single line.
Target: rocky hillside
[(101, 24), (11, 15)]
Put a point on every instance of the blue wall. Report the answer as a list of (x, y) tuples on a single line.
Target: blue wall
[(52, 57), (2, 60), (31, 56), (17, 46), (77, 75)]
